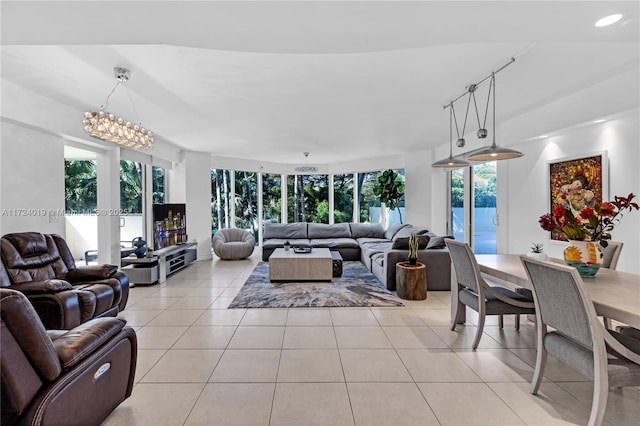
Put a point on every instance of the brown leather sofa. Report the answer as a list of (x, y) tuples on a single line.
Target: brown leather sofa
[(62, 377), (41, 266)]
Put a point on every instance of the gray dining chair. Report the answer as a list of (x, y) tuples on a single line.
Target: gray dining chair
[(610, 257), (577, 337), (476, 293), (611, 254)]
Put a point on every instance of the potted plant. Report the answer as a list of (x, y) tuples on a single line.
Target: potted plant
[(287, 245), (537, 252), (390, 189), (413, 249)]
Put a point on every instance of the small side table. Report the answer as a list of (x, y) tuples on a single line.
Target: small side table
[(411, 281), (140, 270)]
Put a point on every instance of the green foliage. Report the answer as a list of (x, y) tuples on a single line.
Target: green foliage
[(305, 193), (484, 192), (158, 184), (367, 199), (130, 186), (343, 198), (537, 248), (390, 188), (80, 186)]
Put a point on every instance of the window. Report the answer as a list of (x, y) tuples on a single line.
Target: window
[(246, 202), (220, 214), (271, 198), (132, 223), (308, 198), (484, 208), (343, 198), (80, 186), (130, 187), (473, 216), (368, 203), (456, 204), (158, 184)]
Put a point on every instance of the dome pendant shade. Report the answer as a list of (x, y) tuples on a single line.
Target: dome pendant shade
[(451, 162), (494, 152)]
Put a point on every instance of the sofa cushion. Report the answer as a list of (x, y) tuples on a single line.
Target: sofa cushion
[(437, 242), (334, 243), (402, 243), (366, 240), (408, 230), (393, 230), (285, 231), (366, 230), (371, 249), (378, 259), (323, 230)]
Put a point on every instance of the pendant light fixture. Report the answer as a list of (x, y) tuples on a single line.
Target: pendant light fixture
[(106, 126), (490, 153), (493, 152), (451, 161)]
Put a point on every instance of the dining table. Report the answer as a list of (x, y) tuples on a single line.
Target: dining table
[(615, 294)]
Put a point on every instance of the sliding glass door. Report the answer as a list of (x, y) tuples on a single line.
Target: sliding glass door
[(484, 208), (472, 206)]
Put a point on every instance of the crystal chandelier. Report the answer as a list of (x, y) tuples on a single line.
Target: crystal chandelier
[(306, 168), (106, 126)]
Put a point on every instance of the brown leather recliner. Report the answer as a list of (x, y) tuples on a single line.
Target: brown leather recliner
[(62, 377), (41, 266)]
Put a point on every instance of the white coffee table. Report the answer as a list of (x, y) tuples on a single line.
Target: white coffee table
[(291, 266)]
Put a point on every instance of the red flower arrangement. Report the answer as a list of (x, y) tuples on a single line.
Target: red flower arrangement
[(591, 224)]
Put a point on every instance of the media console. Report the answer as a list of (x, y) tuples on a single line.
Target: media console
[(164, 262)]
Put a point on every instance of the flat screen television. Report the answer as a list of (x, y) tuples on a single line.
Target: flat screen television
[(169, 224)]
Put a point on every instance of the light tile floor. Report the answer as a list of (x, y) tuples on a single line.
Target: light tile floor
[(200, 363)]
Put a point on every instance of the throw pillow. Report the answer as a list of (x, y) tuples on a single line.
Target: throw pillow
[(402, 243), (437, 242), (393, 230)]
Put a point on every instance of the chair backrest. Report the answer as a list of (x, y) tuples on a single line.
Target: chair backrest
[(560, 300), (611, 254), (465, 265), (234, 234), (29, 359), (32, 256)]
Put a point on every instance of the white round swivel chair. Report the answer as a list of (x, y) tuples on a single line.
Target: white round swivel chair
[(233, 244)]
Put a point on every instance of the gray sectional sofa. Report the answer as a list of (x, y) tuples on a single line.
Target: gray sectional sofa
[(378, 249)]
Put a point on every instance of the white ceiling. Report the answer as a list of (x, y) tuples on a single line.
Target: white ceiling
[(343, 80)]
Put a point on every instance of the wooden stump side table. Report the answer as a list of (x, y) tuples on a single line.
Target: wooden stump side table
[(411, 281)]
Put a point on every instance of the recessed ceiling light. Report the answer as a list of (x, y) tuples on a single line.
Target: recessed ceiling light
[(608, 20), (600, 120)]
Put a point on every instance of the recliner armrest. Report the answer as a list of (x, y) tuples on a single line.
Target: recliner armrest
[(39, 287), (81, 341), (92, 272)]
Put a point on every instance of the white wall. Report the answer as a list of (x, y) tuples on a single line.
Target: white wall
[(417, 191), (32, 191), (526, 195), (190, 183)]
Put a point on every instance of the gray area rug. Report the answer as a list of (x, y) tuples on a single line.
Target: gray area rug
[(356, 288)]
